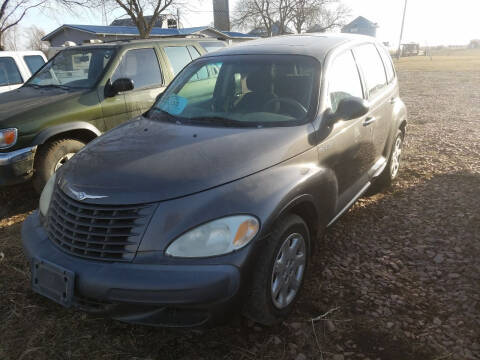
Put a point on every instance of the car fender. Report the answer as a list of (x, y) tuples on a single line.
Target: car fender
[(50, 132)]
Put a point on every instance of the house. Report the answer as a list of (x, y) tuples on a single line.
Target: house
[(80, 34), (361, 26)]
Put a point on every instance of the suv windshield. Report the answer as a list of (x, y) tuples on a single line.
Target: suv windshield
[(246, 90), (75, 68)]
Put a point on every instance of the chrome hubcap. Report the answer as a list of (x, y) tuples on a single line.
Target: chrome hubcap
[(397, 151), (288, 270), (63, 160)]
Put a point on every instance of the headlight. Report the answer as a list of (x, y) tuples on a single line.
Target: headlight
[(8, 138), (46, 196), (217, 237)]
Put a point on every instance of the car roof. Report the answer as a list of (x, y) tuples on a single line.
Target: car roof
[(135, 42), (317, 45), (22, 52)]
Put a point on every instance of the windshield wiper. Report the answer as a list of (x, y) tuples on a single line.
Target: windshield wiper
[(64, 87), (218, 120)]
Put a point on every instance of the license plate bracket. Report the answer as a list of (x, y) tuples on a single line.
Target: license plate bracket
[(53, 281)]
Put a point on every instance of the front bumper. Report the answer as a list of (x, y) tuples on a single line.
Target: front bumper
[(16, 166), (165, 295)]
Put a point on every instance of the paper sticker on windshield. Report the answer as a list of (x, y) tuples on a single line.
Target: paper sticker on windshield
[(173, 104)]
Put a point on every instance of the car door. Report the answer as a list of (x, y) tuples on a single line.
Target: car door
[(378, 94), (347, 149), (143, 68)]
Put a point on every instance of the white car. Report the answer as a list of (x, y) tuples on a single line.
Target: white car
[(16, 67)]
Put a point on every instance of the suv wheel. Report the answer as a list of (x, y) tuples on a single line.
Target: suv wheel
[(390, 173), (279, 273), (51, 157)]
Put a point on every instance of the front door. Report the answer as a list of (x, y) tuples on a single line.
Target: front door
[(348, 149), (141, 66)]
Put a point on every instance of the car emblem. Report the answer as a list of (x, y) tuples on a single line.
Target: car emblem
[(80, 195)]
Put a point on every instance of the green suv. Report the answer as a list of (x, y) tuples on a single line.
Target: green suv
[(81, 93)]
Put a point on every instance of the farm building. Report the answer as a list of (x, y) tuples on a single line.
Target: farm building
[(361, 26), (85, 33)]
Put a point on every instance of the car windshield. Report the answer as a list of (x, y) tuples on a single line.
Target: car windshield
[(75, 68), (246, 90)]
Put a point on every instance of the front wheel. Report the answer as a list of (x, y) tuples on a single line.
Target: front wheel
[(280, 271), (50, 157)]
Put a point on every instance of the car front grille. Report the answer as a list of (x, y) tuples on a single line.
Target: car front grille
[(100, 232)]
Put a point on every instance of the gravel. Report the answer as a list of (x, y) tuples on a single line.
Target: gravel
[(398, 277)]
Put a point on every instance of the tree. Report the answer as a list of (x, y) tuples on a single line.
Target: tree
[(12, 12), (302, 14), (144, 13), (33, 36)]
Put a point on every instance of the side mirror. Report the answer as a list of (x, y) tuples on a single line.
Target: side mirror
[(121, 85), (348, 109)]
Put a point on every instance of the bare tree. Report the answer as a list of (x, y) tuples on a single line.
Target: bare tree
[(12, 12), (324, 15), (33, 36), (302, 14), (144, 13), (11, 39)]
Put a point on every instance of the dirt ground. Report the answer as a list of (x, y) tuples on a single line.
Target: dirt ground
[(398, 277)]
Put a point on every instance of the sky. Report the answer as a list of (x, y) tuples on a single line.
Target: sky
[(429, 22)]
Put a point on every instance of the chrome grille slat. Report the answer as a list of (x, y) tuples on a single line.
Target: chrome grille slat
[(100, 232)]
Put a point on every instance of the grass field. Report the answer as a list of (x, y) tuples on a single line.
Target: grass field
[(442, 60)]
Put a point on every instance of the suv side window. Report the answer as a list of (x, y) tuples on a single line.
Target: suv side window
[(141, 66), (369, 60), (343, 79), (387, 60), (34, 62), (180, 56), (9, 73)]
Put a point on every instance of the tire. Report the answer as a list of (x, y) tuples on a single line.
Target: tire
[(261, 306), (50, 157), (390, 173)]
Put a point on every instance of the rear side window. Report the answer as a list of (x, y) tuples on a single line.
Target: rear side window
[(344, 79), (180, 56), (9, 73), (387, 60), (141, 66), (372, 66), (34, 62)]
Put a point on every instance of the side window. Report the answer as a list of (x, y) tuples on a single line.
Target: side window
[(369, 60), (387, 60), (34, 62), (211, 46), (344, 80), (179, 57), (9, 74), (141, 66)]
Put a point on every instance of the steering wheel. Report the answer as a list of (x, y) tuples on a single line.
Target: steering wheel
[(301, 110)]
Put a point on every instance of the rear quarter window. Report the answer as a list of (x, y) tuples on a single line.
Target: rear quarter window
[(34, 62), (371, 63), (387, 60)]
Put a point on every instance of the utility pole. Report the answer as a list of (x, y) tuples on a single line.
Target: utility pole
[(178, 18), (401, 31)]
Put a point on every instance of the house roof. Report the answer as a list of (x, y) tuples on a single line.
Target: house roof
[(133, 31), (361, 21)]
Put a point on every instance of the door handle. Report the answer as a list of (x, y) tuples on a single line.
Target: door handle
[(369, 120), (393, 100)]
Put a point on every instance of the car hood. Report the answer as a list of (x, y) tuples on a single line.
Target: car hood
[(26, 99), (147, 161)]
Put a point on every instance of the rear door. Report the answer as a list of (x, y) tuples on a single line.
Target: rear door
[(141, 66), (379, 95)]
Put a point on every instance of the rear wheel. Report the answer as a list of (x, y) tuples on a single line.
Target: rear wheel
[(390, 173), (279, 273), (51, 157)]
